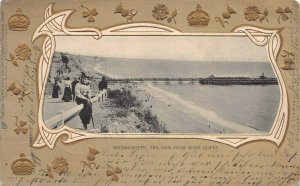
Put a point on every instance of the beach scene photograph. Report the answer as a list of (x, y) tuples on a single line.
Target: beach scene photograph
[(161, 84)]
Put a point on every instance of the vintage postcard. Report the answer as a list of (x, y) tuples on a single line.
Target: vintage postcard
[(150, 92)]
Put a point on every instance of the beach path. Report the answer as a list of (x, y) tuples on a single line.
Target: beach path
[(54, 106)]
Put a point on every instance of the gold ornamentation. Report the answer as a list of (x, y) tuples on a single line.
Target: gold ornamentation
[(89, 13), (283, 13), (129, 14), (18, 91), (90, 157), (225, 15), (18, 21), (113, 172), (22, 52), (252, 13), (22, 166), (198, 17), (289, 60), (20, 126), (161, 12), (60, 165)]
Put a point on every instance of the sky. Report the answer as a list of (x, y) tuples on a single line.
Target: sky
[(185, 48)]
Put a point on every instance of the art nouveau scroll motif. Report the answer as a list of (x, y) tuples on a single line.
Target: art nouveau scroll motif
[(55, 26)]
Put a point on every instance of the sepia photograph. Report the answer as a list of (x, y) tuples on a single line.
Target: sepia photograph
[(161, 84)]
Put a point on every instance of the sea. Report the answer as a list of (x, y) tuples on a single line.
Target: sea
[(254, 106)]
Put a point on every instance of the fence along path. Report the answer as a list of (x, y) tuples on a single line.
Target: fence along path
[(65, 116)]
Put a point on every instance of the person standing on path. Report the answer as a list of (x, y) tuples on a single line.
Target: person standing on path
[(67, 92), (56, 89), (102, 84)]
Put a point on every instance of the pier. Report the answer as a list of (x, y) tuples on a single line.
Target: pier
[(113, 80)]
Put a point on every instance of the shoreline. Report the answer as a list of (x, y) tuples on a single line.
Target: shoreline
[(99, 71), (183, 116)]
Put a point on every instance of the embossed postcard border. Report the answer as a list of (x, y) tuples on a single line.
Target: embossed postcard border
[(55, 25)]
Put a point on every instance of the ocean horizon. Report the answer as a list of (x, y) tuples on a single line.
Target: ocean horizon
[(138, 68)]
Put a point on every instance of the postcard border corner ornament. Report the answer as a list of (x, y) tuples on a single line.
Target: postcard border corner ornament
[(55, 25)]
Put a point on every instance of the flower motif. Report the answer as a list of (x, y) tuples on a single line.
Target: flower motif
[(289, 60), (160, 12), (252, 13), (225, 15), (125, 12), (18, 91), (23, 52), (60, 165)]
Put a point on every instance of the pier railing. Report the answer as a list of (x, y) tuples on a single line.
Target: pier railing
[(65, 116)]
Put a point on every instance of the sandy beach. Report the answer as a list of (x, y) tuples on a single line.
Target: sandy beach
[(180, 115)]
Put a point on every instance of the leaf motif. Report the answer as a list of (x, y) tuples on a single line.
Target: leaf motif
[(85, 14), (118, 170), (15, 63), (11, 87), (90, 157), (279, 10), (93, 151), (22, 123), (262, 18), (24, 130), (114, 177), (17, 130), (266, 13), (230, 10), (125, 12), (94, 12), (287, 10), (119, 8), (285, 17), (109, 172), (91, 19)]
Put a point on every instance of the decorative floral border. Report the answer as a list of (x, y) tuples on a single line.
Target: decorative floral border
[(55, 25)]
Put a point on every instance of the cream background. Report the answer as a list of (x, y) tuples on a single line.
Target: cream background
[(260, 162)]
